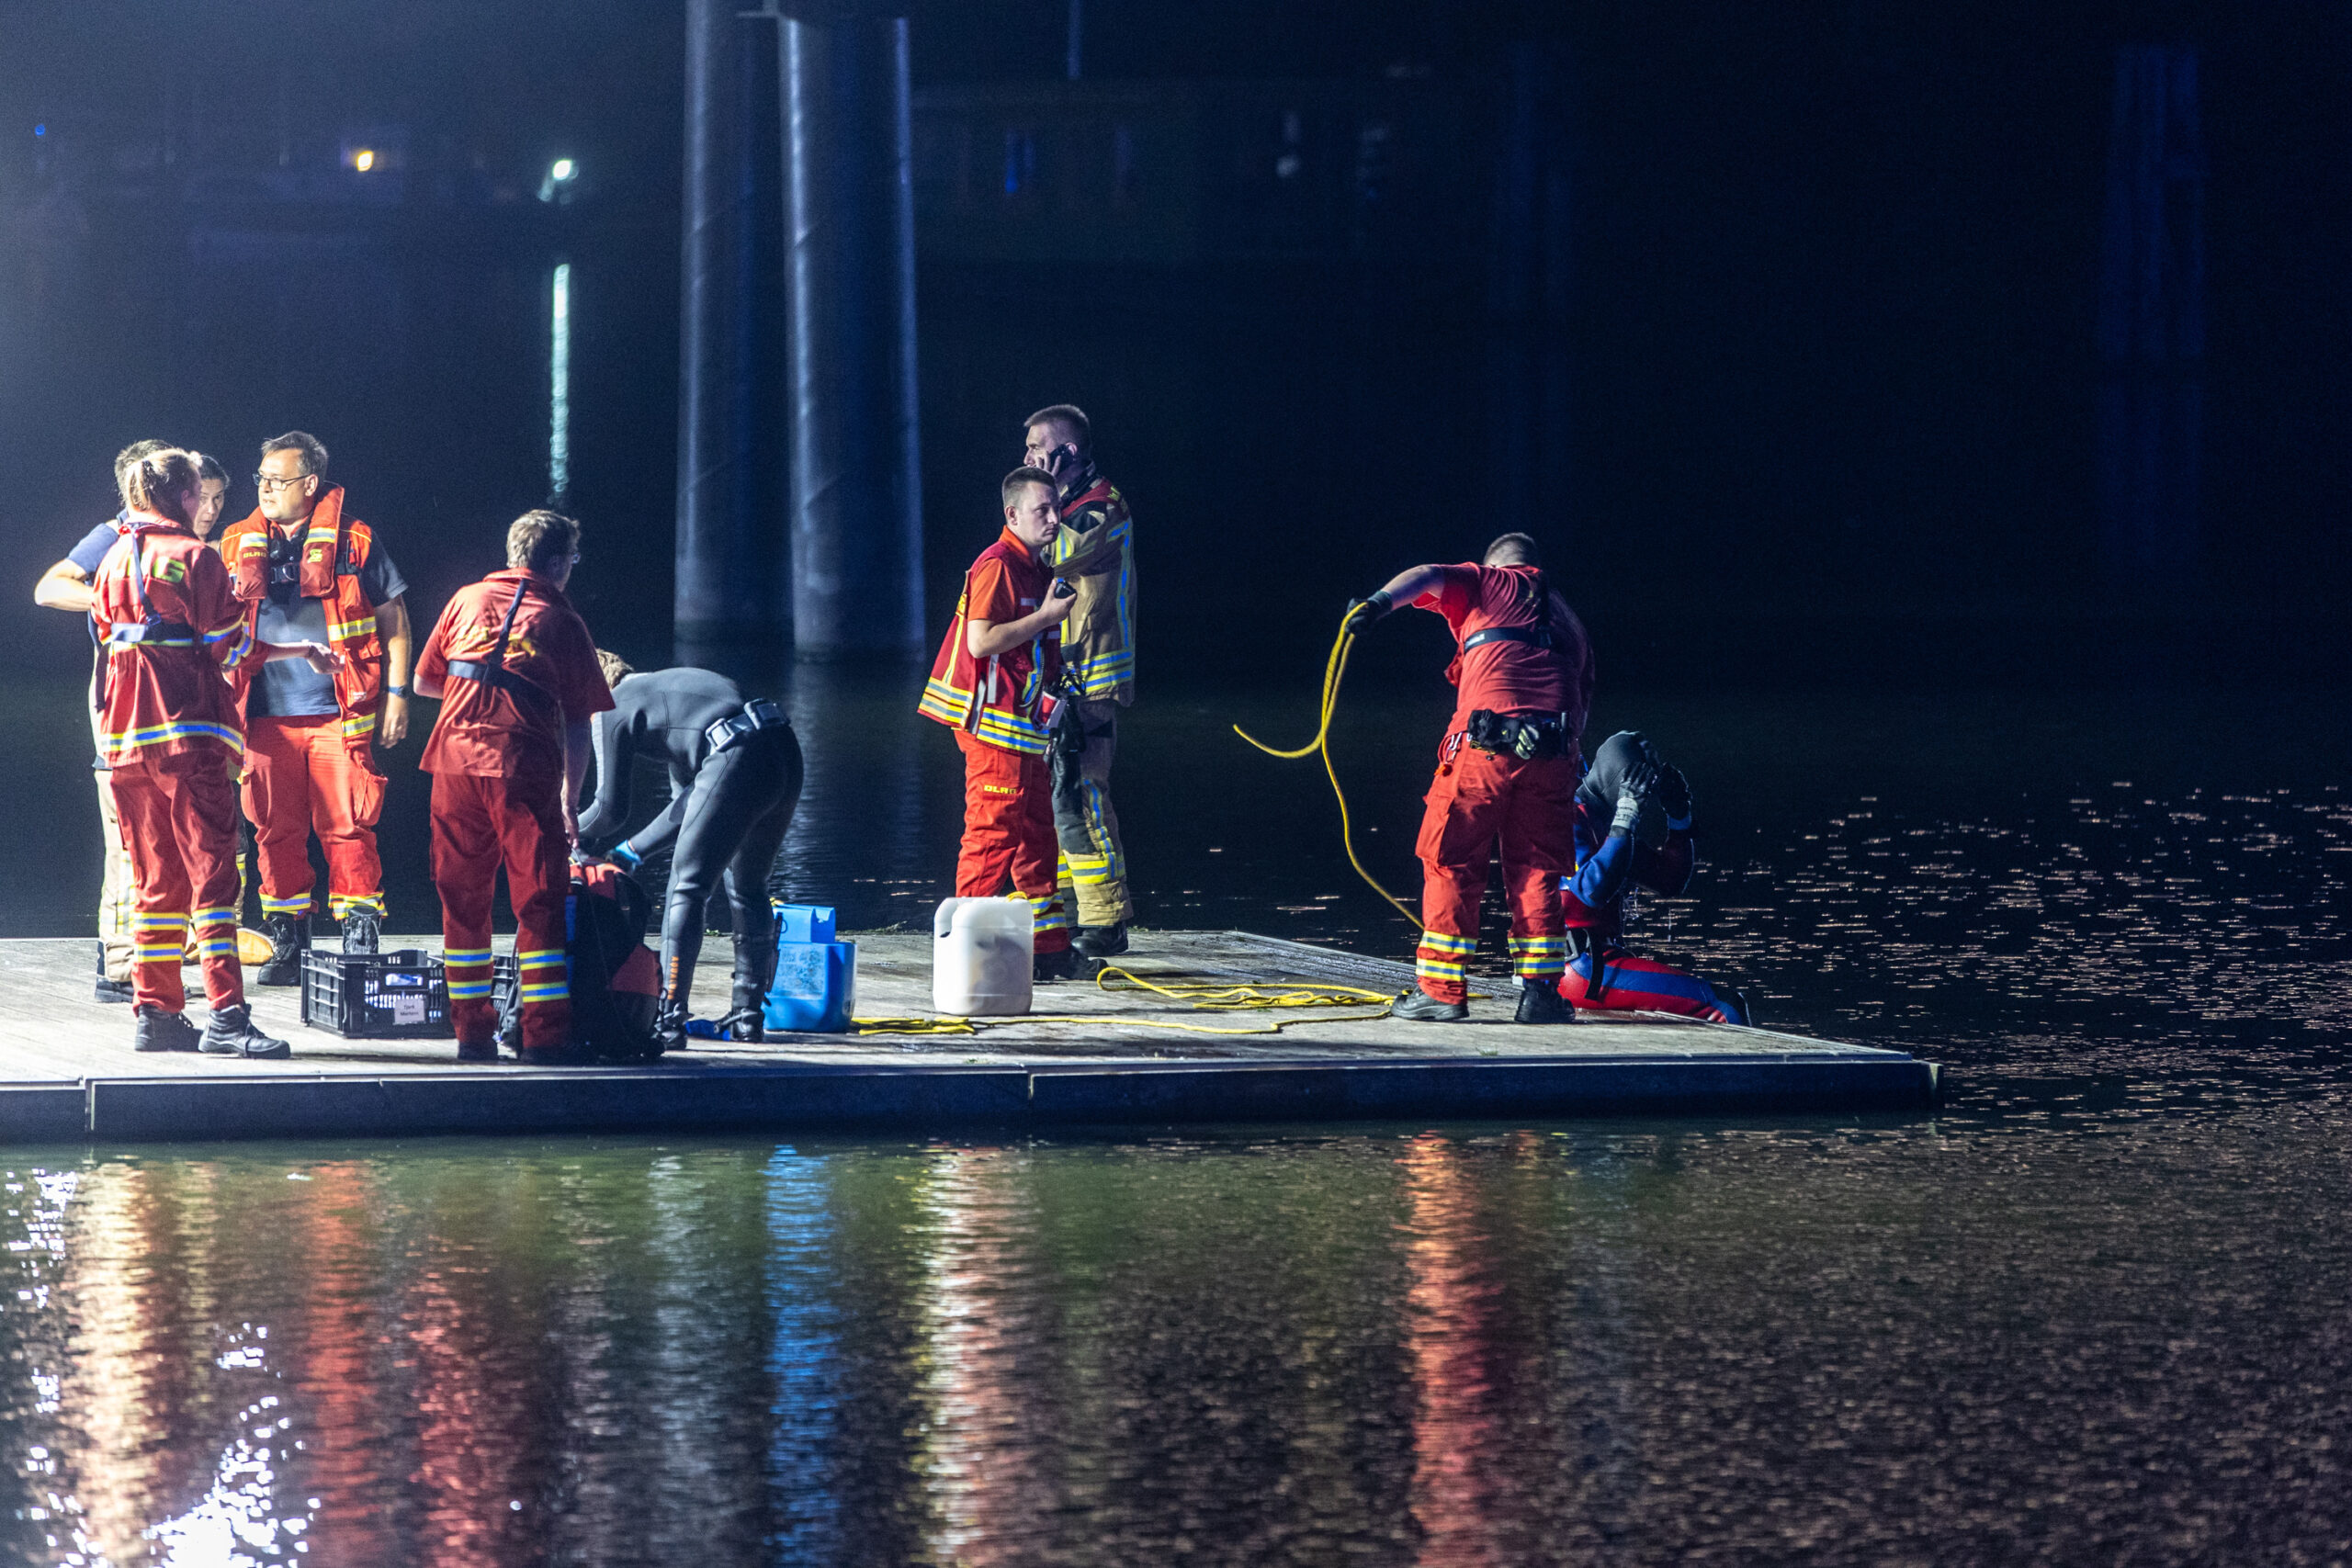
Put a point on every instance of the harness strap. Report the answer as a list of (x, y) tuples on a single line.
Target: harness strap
[(1535, 637), (491, 669), (758, 714)]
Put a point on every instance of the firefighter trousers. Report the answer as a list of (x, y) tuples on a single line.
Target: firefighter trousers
[(480, 824), (736, 815), (1478, 802), (302, 777), (178, 817), (1092, 873), (1009, 836)]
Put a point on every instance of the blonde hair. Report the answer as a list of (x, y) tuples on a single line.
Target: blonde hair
[(161, 483), (614, 666), (537, 540)]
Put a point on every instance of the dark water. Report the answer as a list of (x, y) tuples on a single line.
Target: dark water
[(2093, 1311)]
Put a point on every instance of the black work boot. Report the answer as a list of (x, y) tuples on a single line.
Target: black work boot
[(1540, 1002), (155, 1030), (229, 1031), (289, 937), (110, 990), (362, 931), (1051, 968), (1100, 942), (1417, 1006), (747, 1019)]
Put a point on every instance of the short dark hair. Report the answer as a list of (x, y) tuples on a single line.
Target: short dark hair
[(128, 458), (1065, 413), (313, 450), (1514, 549), (537, 540), (210, 469), (160, 484), (1025, 475)]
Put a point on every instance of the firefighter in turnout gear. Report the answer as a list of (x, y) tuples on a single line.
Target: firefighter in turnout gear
[(1506, 776), (1095, 554), (517, 675), (310, 571), (993, 683), (163, 608)]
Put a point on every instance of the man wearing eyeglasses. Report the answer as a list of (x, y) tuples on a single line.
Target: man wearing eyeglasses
[(314, 574)]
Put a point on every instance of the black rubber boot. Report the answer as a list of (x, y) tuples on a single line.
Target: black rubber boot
[(477, 1050), (110, 990), (1100, 942), (1051, 968), (746, 1016), (290, 938), (1417, 1006), (229, 1031), (1742, 1012), (669, 1026), (362, 931), (1540, 1002), (155, 1030)]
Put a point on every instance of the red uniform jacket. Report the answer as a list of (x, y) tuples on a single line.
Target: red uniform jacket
[(511, 730), (1509, 677), (1005, 699), (165, 692)]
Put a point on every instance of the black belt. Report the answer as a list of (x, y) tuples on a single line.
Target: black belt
[(1535, 637), (758, 714)]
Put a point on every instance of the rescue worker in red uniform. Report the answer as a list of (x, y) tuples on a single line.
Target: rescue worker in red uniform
[(163, 607), (1633, 830), (993, 684), (1507, 773), (312, 573), (516, 671)]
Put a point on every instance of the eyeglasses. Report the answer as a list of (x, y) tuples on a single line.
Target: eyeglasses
[(264, 481)]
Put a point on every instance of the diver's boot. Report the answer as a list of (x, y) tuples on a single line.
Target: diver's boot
[(155, 1030), (1742, 1013), (1100, 942), (362, 929), (1540, 1002), (229, 1031), (747, 1018), (670, 1025), (289, 937), (1050, 968), (1417, 1006), (110, 990)]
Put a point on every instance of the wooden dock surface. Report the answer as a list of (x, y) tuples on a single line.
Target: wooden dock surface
[(67, 1070)]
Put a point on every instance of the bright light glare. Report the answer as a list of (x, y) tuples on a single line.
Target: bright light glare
[(564, 169), (364, 160), (560, 383)]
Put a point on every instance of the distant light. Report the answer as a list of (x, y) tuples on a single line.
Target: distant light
[(41, 129), (563, 170), (364, 160), (560, 383)]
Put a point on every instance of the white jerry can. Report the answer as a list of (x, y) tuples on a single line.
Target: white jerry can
[(981, 954)]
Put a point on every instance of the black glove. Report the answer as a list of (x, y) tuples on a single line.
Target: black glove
[(1673, 796), (1363, 611), (1633, 792)]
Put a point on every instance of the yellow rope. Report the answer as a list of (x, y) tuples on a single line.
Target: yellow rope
[(1193, 995), (1335, 668)]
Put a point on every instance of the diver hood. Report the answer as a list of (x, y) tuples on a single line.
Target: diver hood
[(1610, 761)]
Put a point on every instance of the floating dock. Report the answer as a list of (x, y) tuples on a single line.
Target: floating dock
[(68, 1073)]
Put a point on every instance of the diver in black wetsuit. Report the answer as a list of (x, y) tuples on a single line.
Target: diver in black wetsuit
[(735, 774)]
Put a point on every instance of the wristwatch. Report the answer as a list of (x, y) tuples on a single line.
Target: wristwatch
[(396, 691)]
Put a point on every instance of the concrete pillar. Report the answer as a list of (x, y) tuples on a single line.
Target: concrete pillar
[(732, 596), (850, 286), (2152, 324)]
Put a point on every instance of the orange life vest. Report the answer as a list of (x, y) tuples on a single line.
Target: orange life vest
[(334, 552), (1006, 699)]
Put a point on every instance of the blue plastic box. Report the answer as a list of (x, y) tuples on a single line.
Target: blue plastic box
[(814, 987), (804, 922)]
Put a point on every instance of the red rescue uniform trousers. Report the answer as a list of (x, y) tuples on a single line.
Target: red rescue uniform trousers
[(302, 777), (178, 816), (1009, 836), (480, 824), (1478, 801)]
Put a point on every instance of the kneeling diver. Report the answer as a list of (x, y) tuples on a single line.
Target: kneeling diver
[(1633, 828), (735, 775)]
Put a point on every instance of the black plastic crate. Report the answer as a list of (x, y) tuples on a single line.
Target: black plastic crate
[(377, 995)]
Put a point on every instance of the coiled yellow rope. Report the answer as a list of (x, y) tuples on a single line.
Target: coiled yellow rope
[(1334, 668), (1193, 995)]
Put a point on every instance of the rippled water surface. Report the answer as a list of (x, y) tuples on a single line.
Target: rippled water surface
[(2093, 1311)]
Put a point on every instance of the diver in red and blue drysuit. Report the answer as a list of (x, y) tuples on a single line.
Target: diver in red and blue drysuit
[(1633, 826)]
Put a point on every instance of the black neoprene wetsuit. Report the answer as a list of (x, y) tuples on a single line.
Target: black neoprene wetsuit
[(727, 813)]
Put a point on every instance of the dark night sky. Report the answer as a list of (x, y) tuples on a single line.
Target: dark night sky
[(1834, 263)]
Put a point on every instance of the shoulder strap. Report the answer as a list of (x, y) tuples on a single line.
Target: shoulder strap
[(496, 659)]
